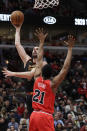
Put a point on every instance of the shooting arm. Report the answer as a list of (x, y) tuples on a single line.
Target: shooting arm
[(23, 55)]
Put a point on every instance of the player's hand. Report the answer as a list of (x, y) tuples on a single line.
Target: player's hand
[(71, 41), (18, 28), (40, 34), (7, 72)]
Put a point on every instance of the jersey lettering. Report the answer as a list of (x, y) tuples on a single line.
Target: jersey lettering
[(41, 85)]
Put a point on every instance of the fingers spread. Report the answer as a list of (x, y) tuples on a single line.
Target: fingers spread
[(71, 37)]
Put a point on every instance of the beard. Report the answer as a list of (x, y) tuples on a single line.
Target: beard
[(34, 55)]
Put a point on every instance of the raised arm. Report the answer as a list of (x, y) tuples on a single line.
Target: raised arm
[(23, 55), (27, 75), (60, 77), (41, 36)]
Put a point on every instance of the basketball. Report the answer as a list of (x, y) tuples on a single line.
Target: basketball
[(17, 18)]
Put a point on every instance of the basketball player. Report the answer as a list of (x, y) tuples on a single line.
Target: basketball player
[(29, 64), (45, 89)]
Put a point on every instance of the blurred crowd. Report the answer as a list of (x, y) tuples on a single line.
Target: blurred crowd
[(10, 5), (70, 104)]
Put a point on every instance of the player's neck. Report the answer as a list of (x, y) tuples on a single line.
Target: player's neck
[(34, 60)]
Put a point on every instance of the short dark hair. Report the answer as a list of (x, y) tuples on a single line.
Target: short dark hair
[(47, 71)]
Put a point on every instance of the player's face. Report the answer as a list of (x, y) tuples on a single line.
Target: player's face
[(35, 51)]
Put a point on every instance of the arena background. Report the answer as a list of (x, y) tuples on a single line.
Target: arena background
[(71, 18)]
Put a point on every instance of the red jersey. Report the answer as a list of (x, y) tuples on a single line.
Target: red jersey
[(43, 96)]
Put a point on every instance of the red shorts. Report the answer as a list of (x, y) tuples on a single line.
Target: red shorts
[(41, 121)]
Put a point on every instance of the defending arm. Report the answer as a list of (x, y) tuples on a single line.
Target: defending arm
[(27, 75), (60, 77), (41, 36)]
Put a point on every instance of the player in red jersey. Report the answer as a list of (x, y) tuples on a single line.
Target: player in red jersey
[(45, 89)]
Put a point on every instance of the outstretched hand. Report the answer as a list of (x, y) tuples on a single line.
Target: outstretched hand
[(40, 34), (71, 41), (7, 72)]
